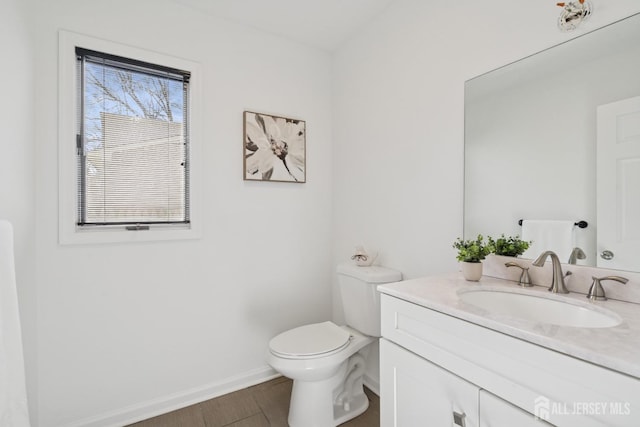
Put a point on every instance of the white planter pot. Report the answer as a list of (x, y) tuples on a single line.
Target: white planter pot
[(471, 271)]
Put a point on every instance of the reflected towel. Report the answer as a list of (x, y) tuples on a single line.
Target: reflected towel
[(13, 393), (556, 236)]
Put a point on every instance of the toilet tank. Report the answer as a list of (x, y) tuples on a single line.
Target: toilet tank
[(360, 297)]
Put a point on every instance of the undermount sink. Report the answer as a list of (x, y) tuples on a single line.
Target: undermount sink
[(540, 308)]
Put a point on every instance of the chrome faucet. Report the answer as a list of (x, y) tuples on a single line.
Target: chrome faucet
[(557, 282), (576, 254)]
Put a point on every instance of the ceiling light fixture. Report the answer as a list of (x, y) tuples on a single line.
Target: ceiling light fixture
[(573, 14)]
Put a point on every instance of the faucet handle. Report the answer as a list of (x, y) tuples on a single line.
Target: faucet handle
[(524, 281), (596, 291)]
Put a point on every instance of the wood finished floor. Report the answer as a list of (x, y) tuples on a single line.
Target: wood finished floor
[(263, 405)]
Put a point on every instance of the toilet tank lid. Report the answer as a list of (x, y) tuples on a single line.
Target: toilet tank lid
[(370, 274)]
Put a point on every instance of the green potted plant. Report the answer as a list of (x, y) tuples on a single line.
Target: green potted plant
[(508, 246), (470, 254)]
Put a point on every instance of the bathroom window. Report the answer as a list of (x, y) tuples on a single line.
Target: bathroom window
[(132, 142), (129, 143)]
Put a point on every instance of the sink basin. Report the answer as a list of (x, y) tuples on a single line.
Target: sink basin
[(539, 308)]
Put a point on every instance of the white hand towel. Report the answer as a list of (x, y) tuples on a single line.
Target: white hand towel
[(13, 392), (552, 235)]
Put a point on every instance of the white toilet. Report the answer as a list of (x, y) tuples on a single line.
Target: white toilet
[(326, 361)]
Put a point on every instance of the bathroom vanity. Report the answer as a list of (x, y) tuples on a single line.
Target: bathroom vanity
[(445, 361)]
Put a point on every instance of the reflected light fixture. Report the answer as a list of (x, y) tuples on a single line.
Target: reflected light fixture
[(573, 13)]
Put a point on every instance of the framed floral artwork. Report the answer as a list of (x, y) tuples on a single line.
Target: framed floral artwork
[(274, 148)]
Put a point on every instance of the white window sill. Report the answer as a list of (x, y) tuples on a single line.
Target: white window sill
[(90, 235)]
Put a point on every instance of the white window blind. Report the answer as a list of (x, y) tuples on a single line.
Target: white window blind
[(132, 142)]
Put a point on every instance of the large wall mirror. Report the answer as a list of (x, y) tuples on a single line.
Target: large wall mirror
[(533, 144)]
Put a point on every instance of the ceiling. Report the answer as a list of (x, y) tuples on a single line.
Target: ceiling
[(324, 24)]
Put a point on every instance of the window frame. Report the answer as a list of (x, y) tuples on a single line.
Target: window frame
[(69, 231)]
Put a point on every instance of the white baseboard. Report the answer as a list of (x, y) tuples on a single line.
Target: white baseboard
[(372, 384), (155, 407)]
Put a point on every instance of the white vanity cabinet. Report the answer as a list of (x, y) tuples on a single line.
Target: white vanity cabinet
[(438, 370), (417, 393)]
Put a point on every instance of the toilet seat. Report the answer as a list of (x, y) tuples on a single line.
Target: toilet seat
[(310, 341)]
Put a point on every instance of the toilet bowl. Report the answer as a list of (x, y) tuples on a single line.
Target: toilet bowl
[(320, 396), (327, 362)]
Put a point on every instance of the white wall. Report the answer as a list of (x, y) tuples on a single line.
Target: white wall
[(399, 115), (17, 201), (125, 329)]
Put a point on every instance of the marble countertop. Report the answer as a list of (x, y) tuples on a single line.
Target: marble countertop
[(616, 348)]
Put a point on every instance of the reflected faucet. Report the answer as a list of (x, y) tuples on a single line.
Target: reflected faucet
[(557, 282), (576, 254)]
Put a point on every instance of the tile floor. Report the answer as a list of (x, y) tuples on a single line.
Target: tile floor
[(263, 405)]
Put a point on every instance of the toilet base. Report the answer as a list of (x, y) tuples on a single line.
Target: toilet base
[(320, 414), (359, 405), (331, 402)]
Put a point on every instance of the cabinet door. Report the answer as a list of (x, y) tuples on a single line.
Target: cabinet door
[(495, 412), (416, 393)]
